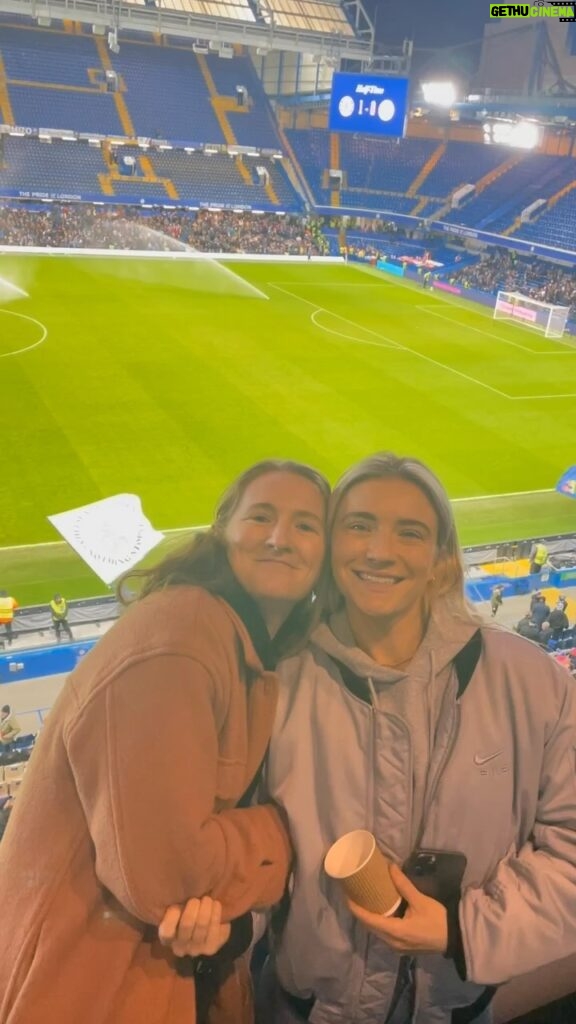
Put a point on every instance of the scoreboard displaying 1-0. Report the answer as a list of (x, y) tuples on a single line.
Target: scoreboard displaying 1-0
[(370, 104)]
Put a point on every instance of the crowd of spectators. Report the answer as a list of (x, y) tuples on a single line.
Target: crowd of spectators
[(504, 270), (549, 627), (85, 226)]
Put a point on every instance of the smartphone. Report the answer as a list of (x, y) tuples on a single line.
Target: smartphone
[(437, 873)]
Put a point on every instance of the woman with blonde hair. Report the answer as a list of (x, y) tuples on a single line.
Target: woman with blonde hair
[(453, 742), (138, 792)]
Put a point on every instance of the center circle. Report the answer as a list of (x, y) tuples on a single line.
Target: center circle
[(17, 340)]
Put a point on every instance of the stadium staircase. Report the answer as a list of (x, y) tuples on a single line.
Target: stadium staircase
[(293, 169), (146, 175), (428, 167), (5, 105), (497, 172), (420, 206), (121, 108), (223, 106)]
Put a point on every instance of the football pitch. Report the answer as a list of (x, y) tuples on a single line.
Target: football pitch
[(165, 378)]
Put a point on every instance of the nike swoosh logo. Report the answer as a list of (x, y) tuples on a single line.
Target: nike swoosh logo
[(484, 760)]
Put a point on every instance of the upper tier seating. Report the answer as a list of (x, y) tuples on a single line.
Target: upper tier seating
[(166, 94), (253, 125), (57, 80)]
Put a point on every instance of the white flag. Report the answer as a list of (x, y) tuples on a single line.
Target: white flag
[(111, 535)]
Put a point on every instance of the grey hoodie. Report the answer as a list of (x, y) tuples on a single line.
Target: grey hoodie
[(492, 774)]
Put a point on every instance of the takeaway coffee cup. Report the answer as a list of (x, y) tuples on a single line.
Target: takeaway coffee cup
[(364, 872)]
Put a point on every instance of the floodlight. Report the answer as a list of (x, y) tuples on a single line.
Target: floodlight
[(439, 94), (525, 135), (520, 134)]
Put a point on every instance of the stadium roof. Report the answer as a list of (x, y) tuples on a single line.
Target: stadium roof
[(327, 28)]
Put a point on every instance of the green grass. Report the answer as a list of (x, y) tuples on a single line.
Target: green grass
[(156, 378)]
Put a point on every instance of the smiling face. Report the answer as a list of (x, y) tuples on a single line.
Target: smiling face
[(384, 549), (275, 538)]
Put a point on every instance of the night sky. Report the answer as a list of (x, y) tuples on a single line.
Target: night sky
[(433, 25)]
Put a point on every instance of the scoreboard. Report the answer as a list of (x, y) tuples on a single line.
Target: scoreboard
[(368, 104)]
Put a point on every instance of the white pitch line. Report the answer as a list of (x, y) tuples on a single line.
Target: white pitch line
[(206, 526), (322, 309), (64, 544), (331, 284), (536, 398), (347, 337), (479, 330), (511, 494), (393, 343), (498, 337), (23, 316)]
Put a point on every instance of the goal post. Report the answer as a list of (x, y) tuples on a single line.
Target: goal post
[(541, 316)]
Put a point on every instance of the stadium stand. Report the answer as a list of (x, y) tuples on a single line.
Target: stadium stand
[(385, 165), (68, 167), (556, 226), (84, 225), (166, 95), (463, 163), (535, 176), (74, 169), (503, 270), (312, 150), (56, 81), (252, 122), (56, 78)]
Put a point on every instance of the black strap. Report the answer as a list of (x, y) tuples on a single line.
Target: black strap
[(465, 664), (468, 1014), (356, 684), (466, 661), (248, 795)]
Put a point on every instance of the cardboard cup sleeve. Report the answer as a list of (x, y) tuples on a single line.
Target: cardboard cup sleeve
[(364, 872)]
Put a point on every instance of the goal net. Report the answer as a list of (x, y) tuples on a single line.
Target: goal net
[(542, 316)]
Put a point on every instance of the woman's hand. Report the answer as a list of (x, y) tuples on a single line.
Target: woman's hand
[(424, 927), (195, 929)]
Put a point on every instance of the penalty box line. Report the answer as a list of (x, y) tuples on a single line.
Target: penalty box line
[(433, 310)]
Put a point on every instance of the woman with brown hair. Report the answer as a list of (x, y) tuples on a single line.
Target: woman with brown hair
[(131, 800)]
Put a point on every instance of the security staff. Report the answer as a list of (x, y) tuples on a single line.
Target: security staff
[(59, 609), (538, 556), (8, 606)]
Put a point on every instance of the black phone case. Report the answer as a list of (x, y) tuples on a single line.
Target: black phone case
[(437, 873)]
